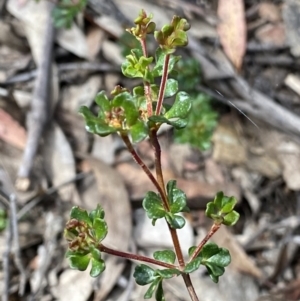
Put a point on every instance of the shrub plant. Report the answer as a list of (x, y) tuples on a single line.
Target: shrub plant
[(135, 115)]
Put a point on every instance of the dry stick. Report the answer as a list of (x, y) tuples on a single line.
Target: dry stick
[(37, 117), (48, 192), (88, 66), (17, 252), (6, 260)]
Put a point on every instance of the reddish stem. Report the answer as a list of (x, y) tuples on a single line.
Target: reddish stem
[(160, 180), (163, 84), (140, 162), (137, 257), (190, 287), (214, 228)]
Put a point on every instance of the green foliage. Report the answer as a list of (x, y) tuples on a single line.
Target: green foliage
[(138, 114), (144, 275), (215, 259), (65, 11), (221, 210), (167, 256), (201, 123), (173, 35), (84, 232), (154, 208), (3, 219), (202, 119)]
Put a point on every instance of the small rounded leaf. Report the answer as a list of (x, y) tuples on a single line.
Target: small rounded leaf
[(181, 106), (192, 266), (99, 229), (98, 266), (143, 274), (80, 215), (153, 205), (175, 221), (171, 87), (138, 131), (151, 288), (231, 218), (168, 273), (167, 256), (79, 261)]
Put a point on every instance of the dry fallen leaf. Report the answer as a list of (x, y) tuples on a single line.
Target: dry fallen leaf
[(11, 131), (240, 261), (109, 191), (232, 30), (59, 161)]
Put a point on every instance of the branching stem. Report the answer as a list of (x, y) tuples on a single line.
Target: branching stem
[(140, 162), (137, 257), (214, 228)]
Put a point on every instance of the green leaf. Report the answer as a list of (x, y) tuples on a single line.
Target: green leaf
[(228, 204), (97, 213), (231, 218), (181, 106), (177, 197), (153, 205), (168, 273), (159, 58), (79, 261), (191, 250), (126, 101), (167, 256), (103, 102), (95, 252), (94, 124), (98, 266), (143, 274), (221, 210), (138, 132), (178, 124), (175, 221), (171, 87), (201, 120), (80, 215), (193, 265), (159, 295), (215, 259), (99, 229), (151, 288)]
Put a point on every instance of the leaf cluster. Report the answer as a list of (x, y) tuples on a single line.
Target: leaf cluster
[(144, 274), (65, 11), (84, 232), (215, 260), (155, 209), (202, 119), (221, 210)]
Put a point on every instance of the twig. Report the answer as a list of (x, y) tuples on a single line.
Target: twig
[(6, 260), (89, 66), (38, 115), (48, 192), (212, 231), (137, 257), (17, 252)]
